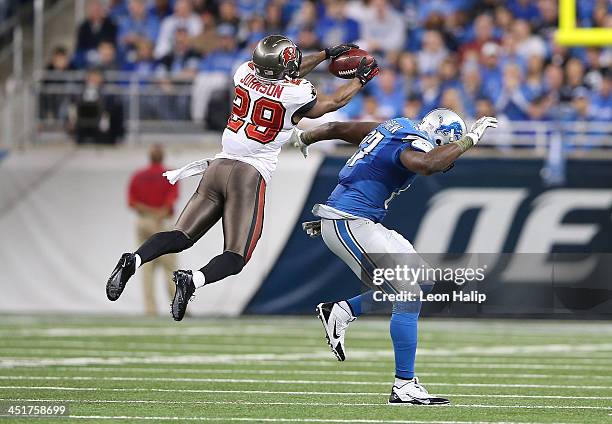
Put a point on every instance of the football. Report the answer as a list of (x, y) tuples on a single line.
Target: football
[(345, 65)]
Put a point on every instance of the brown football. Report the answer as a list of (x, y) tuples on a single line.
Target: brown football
[(345, 65)]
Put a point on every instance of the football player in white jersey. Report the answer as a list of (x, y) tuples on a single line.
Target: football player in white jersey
[(270, 99)]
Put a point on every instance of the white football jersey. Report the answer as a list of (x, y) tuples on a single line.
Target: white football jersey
[(261, 118)]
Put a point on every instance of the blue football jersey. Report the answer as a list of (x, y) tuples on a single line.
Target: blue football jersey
[(374, 175)]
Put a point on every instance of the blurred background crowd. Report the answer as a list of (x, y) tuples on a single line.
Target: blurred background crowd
[(493, 57)]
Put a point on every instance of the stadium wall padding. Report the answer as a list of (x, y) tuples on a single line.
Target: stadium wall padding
[(481, 205), (64, 222)]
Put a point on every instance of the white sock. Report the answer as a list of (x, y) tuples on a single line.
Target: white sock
[(138, 260), (198, 279), (400, 382)]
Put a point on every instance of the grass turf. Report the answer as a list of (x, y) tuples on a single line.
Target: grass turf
[(280, 370)]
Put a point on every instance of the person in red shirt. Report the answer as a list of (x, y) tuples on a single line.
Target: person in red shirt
[(152, 197)]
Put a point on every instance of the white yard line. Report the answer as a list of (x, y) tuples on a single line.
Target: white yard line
[(240, 402), (306, 357), (304, 382), (384, 372), (289, 420)]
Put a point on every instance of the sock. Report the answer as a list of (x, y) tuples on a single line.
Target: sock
[(403, 328), (355, 304), (401, 382), (221, 266), (198, 279), (138, 260), (364, 303)]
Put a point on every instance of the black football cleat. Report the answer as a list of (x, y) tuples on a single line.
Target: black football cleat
[(184, 291), (126, 267)]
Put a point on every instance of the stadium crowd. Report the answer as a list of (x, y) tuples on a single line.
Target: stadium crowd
[(478, 57)]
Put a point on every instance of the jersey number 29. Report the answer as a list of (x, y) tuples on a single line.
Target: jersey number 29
[(267, 116), (366, 146)]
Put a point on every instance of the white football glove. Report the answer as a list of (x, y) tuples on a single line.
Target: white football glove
[(479, 127), (296, 140)]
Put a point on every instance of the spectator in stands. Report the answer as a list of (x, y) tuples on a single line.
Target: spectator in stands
[(484, 107), (55, 105), (274, 18), (107, 57), (144, 64), (382, 27), (97, 118), (449, 73), (547, 23), (483, 33), (524, 9), (574, 78), (181, 62), (118, 9), (581, 105), (215, 72), (308, 41), (228, 15), (96, 28), (602, 100), (370, 110), (432, 53), (408, 72), (306, 17), (511, 101), (160, 10), (152, 197), (183, 18), (451, 99), (60, 60), (176, 71), (137, 26), (387, 89), (413, 108), (429, 89), (335, 27), (527, 44), (490, 70)]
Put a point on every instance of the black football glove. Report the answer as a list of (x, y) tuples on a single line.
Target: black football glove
[(366, 72), (334, 52)]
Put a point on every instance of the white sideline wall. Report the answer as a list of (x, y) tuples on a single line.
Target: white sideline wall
[(64, 222)]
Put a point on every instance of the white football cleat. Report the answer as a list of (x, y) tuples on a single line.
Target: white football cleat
[(335, 317), (412, 393)]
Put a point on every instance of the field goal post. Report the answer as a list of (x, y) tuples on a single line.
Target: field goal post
[(569, 34)]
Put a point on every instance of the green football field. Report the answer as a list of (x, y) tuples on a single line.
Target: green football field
[(279, 370)]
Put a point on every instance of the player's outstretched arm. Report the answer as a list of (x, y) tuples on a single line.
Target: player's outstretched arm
[(351, 132), (365, 72), (312, 60), (441, 158)]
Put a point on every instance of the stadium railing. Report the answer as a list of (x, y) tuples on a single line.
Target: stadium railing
[(154, 111)]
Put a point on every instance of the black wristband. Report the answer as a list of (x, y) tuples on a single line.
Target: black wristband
[(327, 56)]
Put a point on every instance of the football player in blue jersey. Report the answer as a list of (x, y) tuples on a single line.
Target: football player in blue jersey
[(390, 155)]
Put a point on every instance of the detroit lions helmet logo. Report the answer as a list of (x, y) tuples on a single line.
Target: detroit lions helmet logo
[(452, 130)]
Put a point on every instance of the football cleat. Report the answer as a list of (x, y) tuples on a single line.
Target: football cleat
[(184, 291), (126, 267), (412, 393), (335, 317)]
